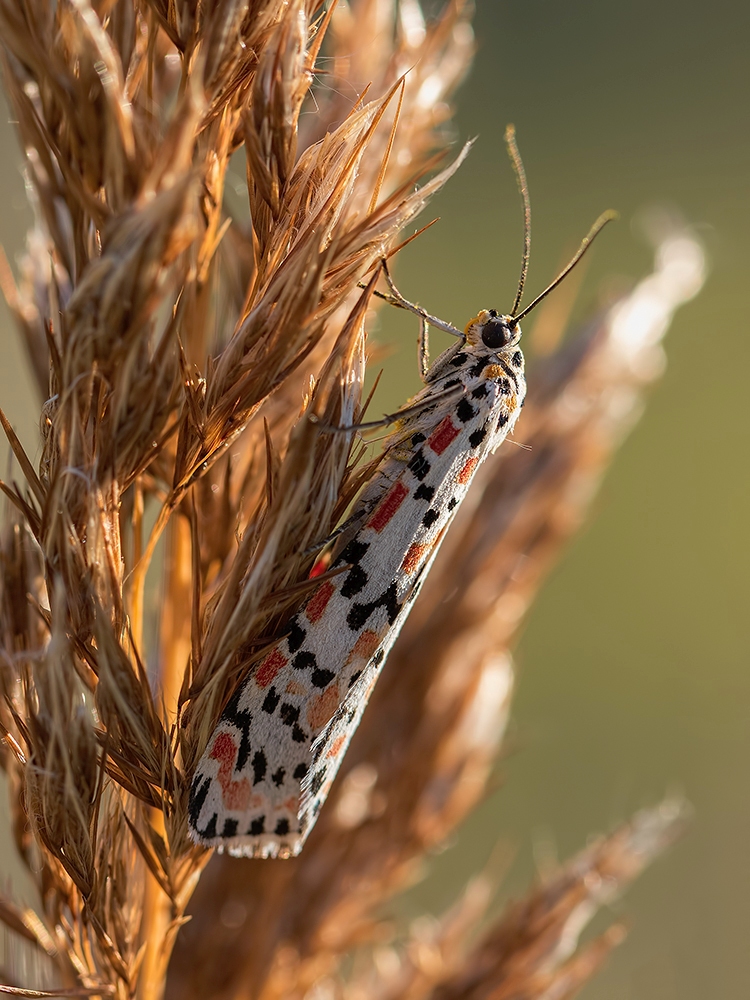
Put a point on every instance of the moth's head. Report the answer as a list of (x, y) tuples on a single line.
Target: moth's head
[(490, 330)]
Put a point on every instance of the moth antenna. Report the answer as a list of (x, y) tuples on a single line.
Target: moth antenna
[(518, 168), (588, 239)]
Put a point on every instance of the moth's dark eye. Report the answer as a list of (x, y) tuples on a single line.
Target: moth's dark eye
[(496, 334)]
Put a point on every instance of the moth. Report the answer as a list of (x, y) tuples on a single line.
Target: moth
[(275, 752)]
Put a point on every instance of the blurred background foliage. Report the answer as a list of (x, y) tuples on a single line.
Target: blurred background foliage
[(633, 665)]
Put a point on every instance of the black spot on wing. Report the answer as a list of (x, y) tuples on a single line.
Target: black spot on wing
[(465, 411), (278, 777), (430, 517), (452, 383), (257, 827), (198, 793), (481, 391), (304, 660), (359, 613), (209, 830), (419, 466), (424, 492), (241, 719), (352, 553), (299, 772), (295, 636), (260, 766), (418, 438), (356, 580), (452, 503), (289, 714), (476, 438), (271, 700), (230, 828), (502, 420), (282, 828), (458, 359), (517, 359), (298, 734), (322, 678)]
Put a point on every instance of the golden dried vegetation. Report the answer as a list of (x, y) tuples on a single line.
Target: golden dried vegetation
[(180, 354)]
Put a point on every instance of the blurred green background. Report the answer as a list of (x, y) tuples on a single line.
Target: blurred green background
[(633, 668), (633, 674)]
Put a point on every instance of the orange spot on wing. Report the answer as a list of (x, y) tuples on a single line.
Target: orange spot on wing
[(388, 506), (321, 709), (336, 746), (319, 602), (468, 470), (235, 794), (269, 667), (441, 437), (294, 687), (364, 647), (413, 557)]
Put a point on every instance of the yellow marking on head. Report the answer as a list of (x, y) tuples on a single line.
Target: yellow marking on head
[(481, 317)]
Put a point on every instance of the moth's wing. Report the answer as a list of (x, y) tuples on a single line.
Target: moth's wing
[(328, 749), (274, 755), (246, 790)]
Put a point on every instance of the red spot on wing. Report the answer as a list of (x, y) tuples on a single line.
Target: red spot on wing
[(224, 749), (468, 470), (269, 667), (441, 437), (235, 794), (388, 506), (319, 602), (413, 557)]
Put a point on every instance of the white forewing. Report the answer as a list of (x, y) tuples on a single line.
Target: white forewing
[(278, 745)]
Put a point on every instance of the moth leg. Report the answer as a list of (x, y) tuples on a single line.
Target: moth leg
[(350, 522), (428, 403), (395, 298), (398, 300), (423, 348)]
